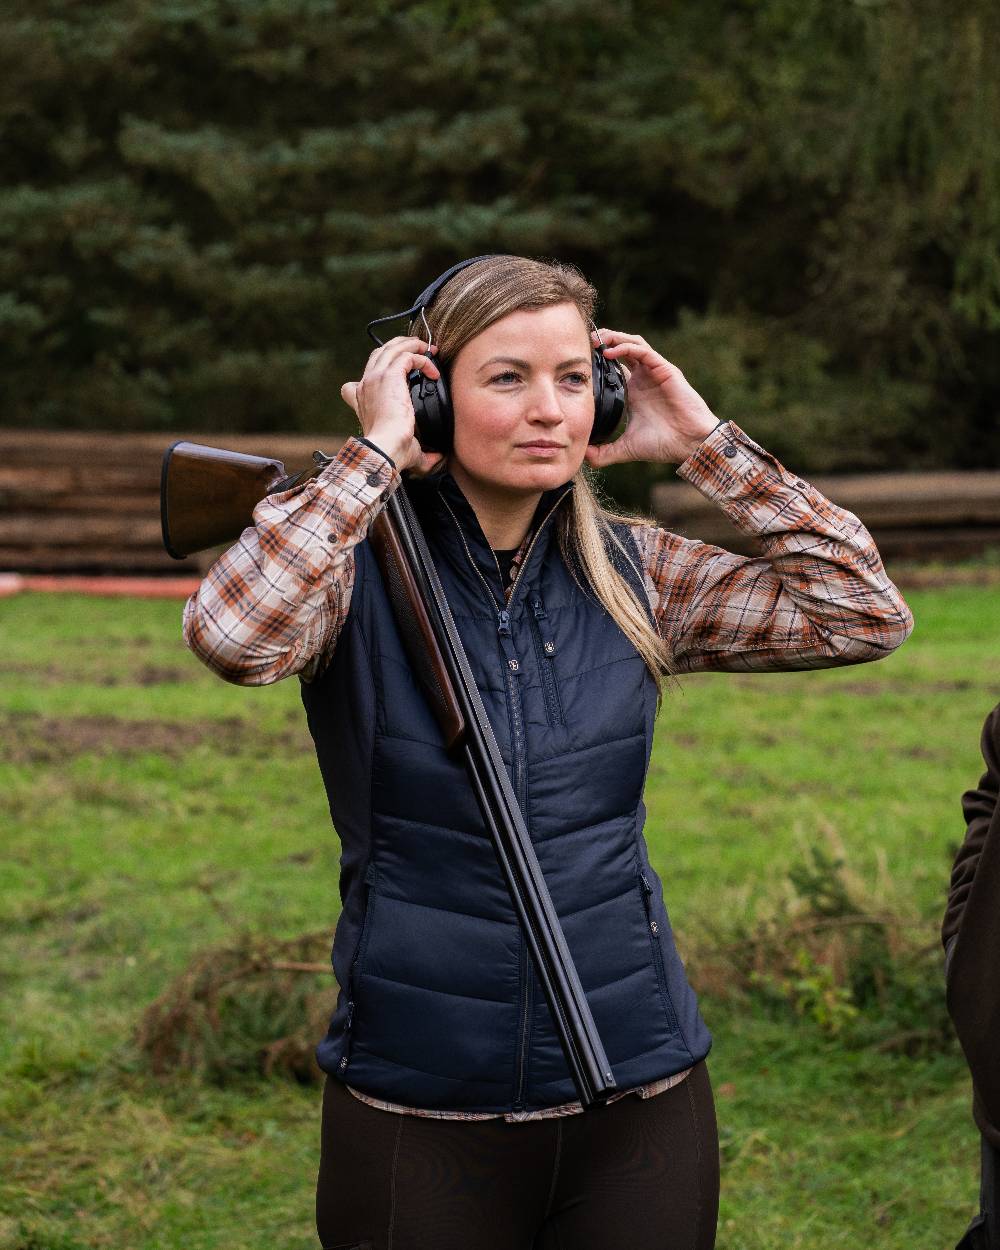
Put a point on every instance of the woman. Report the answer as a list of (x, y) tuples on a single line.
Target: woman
[(449, 1115)]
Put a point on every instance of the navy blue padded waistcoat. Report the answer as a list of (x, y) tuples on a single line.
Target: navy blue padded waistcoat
[(439, 1004)]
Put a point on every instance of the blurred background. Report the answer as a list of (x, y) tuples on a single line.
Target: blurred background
[(202, 202)]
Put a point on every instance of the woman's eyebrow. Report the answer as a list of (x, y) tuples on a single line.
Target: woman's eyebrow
[(504, 360), (523, 364)]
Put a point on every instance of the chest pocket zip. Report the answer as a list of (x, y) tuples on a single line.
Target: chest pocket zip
[(545, 652)]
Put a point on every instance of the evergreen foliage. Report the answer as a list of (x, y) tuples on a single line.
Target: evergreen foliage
[(203, 201)]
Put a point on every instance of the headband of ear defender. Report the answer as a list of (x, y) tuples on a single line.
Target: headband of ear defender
[(435, 417)]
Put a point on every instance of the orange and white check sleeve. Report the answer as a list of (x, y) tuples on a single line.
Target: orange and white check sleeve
[(817, 596), (275, 602)]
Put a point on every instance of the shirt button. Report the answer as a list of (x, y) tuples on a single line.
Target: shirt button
[(374, 478), (729, 451), (331, 538), (799, 482)]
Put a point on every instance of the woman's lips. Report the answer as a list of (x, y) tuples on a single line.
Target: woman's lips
[(541, 449)]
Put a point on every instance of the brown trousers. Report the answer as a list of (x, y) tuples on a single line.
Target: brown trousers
[(640, 1173)]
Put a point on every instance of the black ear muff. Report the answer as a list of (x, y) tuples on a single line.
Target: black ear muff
[(434, 419), (609, 396)]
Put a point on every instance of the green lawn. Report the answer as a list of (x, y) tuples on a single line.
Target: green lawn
[(150, 810)]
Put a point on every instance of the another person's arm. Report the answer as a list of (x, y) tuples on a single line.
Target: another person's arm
[(978, 808)]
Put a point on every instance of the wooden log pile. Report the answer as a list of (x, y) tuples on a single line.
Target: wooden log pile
[(74, 501), (912, 516), (81, 502)]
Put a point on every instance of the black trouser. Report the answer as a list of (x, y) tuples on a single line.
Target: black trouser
[(641, 1174)]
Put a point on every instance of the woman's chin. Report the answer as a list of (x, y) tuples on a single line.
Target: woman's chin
[(521, 474), (539, 476)]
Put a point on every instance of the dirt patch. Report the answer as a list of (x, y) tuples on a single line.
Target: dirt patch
[(145, 675), (944, 578), (898, 687), (870, 688), (150, 675), (26, 738)]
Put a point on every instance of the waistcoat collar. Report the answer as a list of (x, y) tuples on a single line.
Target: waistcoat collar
[(445, 512)]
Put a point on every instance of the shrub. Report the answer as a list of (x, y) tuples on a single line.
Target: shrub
[(255, 1009)]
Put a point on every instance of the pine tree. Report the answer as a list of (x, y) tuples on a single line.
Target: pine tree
[(204, 201)]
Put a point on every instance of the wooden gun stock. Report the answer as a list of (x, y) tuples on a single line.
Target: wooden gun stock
[(207, 498)]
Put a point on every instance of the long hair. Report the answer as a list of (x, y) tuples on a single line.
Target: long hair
[(475, 298)]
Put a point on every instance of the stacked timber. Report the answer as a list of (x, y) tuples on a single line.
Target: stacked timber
[(912, 516), (80, 502), (74, 501)]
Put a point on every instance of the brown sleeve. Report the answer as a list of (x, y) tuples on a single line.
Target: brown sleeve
[(978, 807)]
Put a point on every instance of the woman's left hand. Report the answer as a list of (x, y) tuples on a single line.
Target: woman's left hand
[(667, 418)]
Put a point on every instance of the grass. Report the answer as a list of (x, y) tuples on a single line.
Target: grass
[(151, 810)]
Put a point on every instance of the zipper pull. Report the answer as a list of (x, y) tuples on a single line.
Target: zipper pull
[(350, 1014), (654, 927), (503, 616), (548, 646)]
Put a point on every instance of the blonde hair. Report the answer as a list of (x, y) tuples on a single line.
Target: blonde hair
[(475, 298)]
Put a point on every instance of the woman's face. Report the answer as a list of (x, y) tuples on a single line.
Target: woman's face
[(524, 401)]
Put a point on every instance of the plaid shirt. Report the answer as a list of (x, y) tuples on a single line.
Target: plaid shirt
[(815, 597), (519, 1117)]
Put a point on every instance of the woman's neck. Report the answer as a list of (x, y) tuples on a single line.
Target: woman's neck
[(503, 514)]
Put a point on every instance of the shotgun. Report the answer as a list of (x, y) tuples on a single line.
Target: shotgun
[(207, 497)]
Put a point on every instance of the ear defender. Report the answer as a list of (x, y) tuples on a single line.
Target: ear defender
[(609, 396), (435, 417)]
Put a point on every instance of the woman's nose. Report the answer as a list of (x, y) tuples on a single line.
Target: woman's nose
[(543, 403)]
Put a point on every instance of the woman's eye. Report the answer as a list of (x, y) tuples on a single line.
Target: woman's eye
[(508, 376), (577, 379)]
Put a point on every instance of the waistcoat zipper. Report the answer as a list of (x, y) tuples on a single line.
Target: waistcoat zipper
[(512, 667), (545, 650)]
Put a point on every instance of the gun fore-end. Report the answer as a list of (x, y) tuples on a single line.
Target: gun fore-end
[(207, 495)]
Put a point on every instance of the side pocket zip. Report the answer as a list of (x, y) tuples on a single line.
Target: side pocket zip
[(653, 927), (371, 876)]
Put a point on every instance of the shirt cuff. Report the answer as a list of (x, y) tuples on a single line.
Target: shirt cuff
[(364, 472), (374, 446), (723, 463)]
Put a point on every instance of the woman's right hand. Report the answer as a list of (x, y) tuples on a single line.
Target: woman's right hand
[(382, 401)]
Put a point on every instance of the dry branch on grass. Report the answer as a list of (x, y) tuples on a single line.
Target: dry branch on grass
[(257, 1008)]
